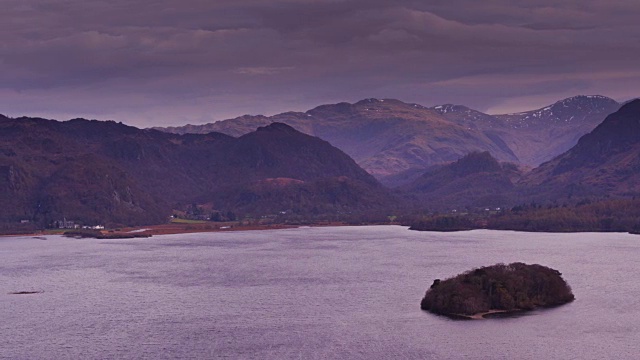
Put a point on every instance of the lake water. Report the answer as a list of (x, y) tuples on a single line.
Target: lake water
[(307, 293)]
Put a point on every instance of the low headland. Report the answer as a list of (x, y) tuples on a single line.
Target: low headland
[(97, 234), (498, 288), (176, 226), (612, 215)]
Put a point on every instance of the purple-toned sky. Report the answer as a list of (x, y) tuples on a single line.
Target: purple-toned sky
[(171, 62)]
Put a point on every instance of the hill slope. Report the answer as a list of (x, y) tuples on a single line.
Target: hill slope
[(105, 172)]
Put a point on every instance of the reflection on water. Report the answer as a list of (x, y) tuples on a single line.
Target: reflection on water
[(313, 293)]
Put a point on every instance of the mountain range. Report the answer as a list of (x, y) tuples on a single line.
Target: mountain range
[(103, 172), (397, 141), (605, 163)]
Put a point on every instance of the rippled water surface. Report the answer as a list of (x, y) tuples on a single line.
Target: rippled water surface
[(308, 293)]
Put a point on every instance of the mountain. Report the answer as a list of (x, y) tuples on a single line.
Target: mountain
[(469, 118), (385, 137), (396, 141), (278, 169), (605, 162), (475, 181), (539, 135), (98, 172), (50, 170)]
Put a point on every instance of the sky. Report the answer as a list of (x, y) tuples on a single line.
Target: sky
[(173, 62)]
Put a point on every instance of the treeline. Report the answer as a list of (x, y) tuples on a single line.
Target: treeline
[(512, 287), (620, 215)]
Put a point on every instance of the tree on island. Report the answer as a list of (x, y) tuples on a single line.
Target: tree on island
[(512, 287)]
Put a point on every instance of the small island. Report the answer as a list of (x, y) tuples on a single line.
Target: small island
[(498, 288)]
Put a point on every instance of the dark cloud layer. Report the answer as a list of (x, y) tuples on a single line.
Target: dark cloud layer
[(161, 62)]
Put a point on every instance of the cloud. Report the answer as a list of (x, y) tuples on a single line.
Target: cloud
[(204, 60)]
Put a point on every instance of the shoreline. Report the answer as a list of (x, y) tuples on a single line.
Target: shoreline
[(180, 228), (177, 228), (190, 228), (481, 316), (485, 315)]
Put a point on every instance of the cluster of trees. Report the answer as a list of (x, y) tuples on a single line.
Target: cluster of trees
[(511, 287), (621, 215), (612, 215), (197, 212), (17, 228), (223, 216)]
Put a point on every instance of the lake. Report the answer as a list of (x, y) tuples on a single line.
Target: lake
[(306, 293)]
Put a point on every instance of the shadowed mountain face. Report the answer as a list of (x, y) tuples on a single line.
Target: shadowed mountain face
[(395, 141), (104, 172), (605, 162), (475, 181)]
